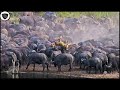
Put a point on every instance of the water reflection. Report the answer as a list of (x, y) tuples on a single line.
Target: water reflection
[(33, 75)]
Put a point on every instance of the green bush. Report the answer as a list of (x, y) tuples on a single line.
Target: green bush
[(97, 15)]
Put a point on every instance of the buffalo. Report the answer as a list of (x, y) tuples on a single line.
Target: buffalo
[(81, 55), (17, 53), (63, 59), (93, 62), (37, 58), (5, 62), (114, 61), (9, 59)]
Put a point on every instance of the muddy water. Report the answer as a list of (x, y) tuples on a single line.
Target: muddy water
[(33, 75)]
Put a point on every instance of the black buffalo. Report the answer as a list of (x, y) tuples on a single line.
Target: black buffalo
[(37, 58), (63, 59)]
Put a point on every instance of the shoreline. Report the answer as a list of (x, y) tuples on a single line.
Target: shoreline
[(75, 73)]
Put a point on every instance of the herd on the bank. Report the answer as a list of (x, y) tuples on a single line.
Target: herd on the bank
[(94, 58), (88, 55)]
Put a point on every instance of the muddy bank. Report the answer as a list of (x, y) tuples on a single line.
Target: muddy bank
[(53, 73)]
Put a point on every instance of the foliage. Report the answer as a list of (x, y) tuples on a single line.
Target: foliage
[(15, 15)]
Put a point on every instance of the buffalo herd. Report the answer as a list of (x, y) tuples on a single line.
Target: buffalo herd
[(29, 42)]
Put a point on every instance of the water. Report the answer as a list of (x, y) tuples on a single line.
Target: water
[(33, 75)]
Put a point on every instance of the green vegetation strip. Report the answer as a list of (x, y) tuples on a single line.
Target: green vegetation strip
[(97, 15)]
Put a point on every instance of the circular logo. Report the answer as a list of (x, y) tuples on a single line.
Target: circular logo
[(4, 16)]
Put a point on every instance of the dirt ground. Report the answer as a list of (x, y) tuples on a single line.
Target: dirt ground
[(76, 72)]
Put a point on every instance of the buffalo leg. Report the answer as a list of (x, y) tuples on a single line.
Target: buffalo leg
[(103, 68), (34, 67), (89, 69), (43, 67), (59, 67), (70, 67), (28, 65), (18, 67), (101, 71), (96, 70), (13, 71), (47, 67), (112, 70), (80, 64), (83, 67), (117, 68), (19, 63)]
